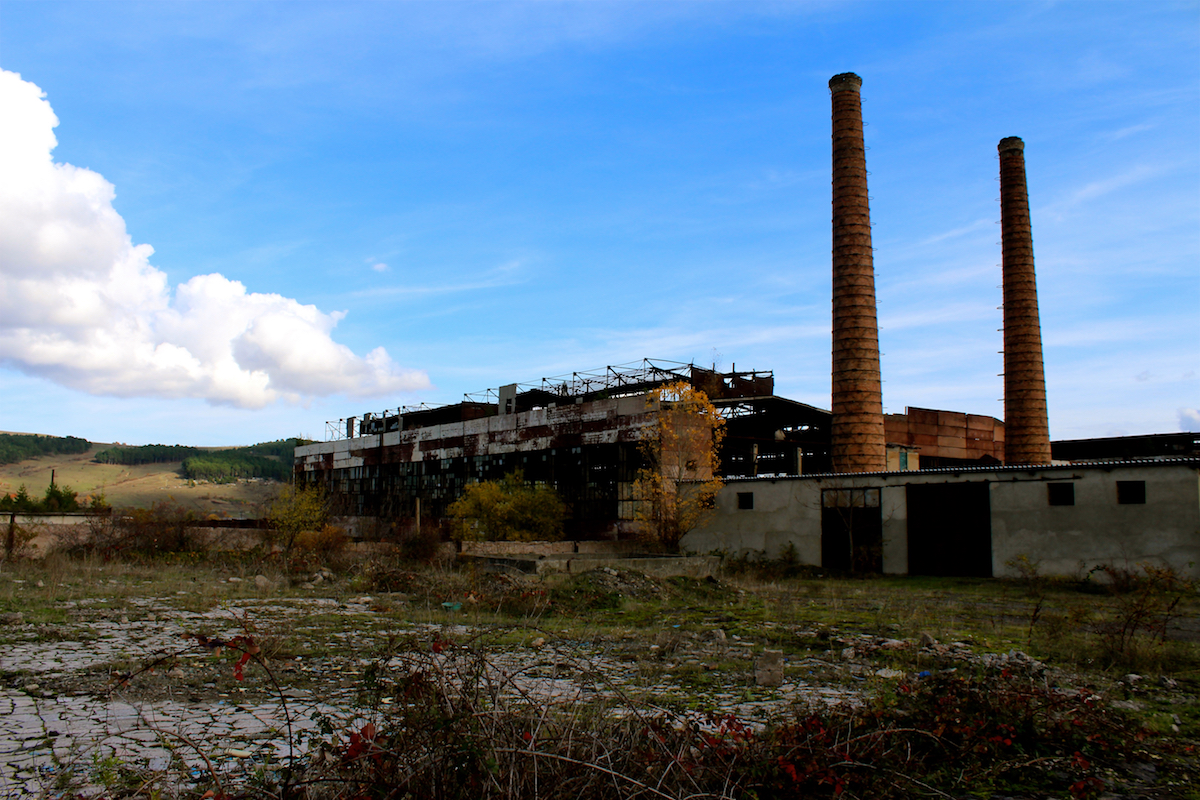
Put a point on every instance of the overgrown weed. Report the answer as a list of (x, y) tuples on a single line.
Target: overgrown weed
[(450, 716), (442, 718)]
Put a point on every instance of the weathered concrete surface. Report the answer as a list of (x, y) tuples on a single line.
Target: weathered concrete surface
[(1062, 540), (1165, 530), (65, 708)]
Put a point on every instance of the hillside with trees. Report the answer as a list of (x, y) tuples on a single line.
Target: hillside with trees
[(271, 460), (17, 447), (131, 456)]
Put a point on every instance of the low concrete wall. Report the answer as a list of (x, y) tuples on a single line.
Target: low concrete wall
[(603, 547), (663, 566), (517, 548), (609, 547)]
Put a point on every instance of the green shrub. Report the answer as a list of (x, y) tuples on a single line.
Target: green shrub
[(508, 510)]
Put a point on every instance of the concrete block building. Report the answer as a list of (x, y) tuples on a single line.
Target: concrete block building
[(973, 521)]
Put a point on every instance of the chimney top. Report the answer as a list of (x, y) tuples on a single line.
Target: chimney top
[(845, 82), (1010, 143)]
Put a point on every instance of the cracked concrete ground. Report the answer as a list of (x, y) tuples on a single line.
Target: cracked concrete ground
[(77, 696), (70, 702)]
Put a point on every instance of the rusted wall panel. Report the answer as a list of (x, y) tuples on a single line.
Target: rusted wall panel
[(598, 422), (969, 436)]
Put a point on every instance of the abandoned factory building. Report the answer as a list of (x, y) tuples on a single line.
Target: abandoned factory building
[(578, 434), (926, 492)]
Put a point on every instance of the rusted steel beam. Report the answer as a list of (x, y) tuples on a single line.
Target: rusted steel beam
[(1026, 425), (858, 442)]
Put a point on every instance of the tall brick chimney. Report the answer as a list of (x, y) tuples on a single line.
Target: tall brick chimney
[(858, 437), (1026, 428)]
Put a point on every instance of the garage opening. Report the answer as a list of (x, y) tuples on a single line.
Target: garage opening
[(950, 530), (851, 530)]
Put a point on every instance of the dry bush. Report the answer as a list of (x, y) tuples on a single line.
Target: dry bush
[(423, 545), (327, 543), (17, 541), (1147, 599), (449, 723), (164, 528)]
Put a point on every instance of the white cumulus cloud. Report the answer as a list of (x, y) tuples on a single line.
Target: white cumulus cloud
[(80, 303)]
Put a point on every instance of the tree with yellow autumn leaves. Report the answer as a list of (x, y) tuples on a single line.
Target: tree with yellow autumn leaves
[(680, 475)]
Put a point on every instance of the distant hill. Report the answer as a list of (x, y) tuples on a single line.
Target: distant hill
[(223, 482), (265, 460)]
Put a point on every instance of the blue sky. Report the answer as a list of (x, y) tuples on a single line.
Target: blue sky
[(354, 206)]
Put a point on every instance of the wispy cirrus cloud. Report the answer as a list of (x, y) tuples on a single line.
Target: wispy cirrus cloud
[(506, 274), (1105, 186)]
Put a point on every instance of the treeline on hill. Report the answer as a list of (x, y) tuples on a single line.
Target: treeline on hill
[(16, 447), (131, 456), (265, 460)]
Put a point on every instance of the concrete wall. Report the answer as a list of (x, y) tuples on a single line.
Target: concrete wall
[(1097, 529), (49, 532), (787, 511), (1063, 539)]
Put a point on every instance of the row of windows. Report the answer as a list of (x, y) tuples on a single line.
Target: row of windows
[(1129, 493)]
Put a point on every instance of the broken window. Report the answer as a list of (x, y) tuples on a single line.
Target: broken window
[(745, 501), (1061, 494), (1131, 493)]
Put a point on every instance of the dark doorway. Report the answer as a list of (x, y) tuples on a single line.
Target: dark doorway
[(851, 530), (950, 530)]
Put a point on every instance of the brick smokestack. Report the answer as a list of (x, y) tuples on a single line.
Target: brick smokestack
[(1026, 429), (858, 437)]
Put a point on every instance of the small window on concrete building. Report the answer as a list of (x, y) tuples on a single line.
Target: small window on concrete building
[(1061, 494), (1131, 493), (745, 501)]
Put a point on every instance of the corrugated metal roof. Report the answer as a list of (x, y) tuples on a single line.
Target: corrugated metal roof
[(1155, 462)]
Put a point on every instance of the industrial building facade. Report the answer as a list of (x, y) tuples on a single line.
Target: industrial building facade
[(577, 434)]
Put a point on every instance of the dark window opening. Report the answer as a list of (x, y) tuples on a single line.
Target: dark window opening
[(1061, 494), (1131, 493), (745, 501)]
